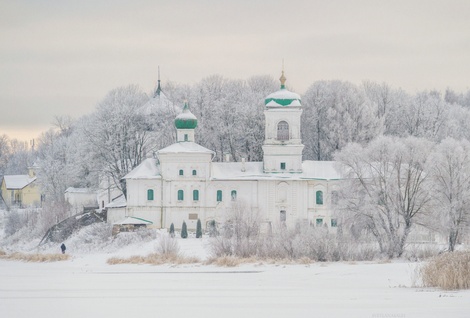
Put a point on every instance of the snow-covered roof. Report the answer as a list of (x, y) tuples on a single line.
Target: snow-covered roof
[(185, 147), (313, 170), (133, 220), (282, 98), (325, 170), (79, 190), (155, 103), (273, 103), (17, 181), (119, 202), (148, 169)]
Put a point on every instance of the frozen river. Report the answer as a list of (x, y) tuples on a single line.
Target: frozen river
[(87, 287)]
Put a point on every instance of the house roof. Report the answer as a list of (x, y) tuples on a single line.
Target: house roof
[(17, 182), (133, 220), (118, 202), (79, 190), (185, 147)]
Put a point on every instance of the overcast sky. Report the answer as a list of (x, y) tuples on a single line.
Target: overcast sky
[(62, 57)]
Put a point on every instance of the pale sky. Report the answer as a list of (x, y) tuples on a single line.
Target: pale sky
[(62, 57)]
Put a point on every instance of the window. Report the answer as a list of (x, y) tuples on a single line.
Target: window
[(194, 173), (219, 195), (283, 166), (195, 195), (319, 197), (283, 215), (234, 195), (319, 222), (181, 172), (150, 194), (186, 137), (334, 197), (180, 195), (283, 131), (334, 223)]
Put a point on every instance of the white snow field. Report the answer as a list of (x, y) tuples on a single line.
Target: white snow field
[(86, 286)]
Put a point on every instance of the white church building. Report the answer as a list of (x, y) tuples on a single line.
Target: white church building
[(184, 184)]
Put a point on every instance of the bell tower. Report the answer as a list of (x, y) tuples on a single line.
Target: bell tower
[(282, 148)]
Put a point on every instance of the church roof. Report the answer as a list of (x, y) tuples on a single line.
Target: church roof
[(311, 170), (283, 97), (185, 147), (17, 182), (147, 169), (186, 120), (156, 103)]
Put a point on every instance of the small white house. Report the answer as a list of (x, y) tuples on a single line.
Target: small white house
[(79, 198)]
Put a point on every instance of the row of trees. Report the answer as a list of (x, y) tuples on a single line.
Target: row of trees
[(394, 183)]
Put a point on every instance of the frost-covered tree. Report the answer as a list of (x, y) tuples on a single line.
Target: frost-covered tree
[(54, 165), (117, 133), (384, 189), (335, 114), (423, 115), (20, 158), (4, 153), (450, 175)]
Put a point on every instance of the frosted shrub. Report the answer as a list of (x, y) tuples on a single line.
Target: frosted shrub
[(13, 222), (167, 245), (448, 271), (92, 237), (220, 246)]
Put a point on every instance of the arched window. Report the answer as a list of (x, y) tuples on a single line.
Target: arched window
[(234, 195), (195, 195), (194, 173), (181, 172), (283, 131), (319, 197), (150, 194), (219, 195), (180, 195)]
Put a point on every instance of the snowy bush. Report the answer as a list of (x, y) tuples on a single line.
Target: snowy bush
[(13, 222), (448, 271), (167, 245)]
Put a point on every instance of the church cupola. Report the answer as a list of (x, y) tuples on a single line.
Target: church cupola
[(283, 97), (282, 148), (185, 124)]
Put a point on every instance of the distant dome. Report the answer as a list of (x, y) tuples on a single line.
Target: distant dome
[(186, 120), (283, 97)]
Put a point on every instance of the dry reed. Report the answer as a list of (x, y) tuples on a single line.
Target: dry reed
[(36, 258), (154, 259), (447, 271)]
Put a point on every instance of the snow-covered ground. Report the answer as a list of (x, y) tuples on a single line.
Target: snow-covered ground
[(86, 286)]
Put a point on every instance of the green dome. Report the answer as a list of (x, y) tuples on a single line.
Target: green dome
[(186, 120), (283, 97)]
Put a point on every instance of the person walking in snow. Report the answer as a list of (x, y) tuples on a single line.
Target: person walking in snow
[(63, 248)]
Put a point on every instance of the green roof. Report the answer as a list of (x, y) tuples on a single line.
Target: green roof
[(186, 120)]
